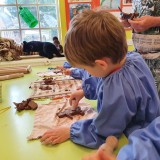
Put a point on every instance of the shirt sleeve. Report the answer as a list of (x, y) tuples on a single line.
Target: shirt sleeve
[(143, 144), (83, 132), (77, 73), (89, 87), (67, 65)]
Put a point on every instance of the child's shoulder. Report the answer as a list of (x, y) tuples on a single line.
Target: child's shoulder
[(134, 55), (134, 65), (135, 59)]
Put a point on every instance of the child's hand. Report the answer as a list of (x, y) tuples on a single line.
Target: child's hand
[(60, 67), (56, 135), (67, 71), (105, 151), (99, 155), (76, 97)]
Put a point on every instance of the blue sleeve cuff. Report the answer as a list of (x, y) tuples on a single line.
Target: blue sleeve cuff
[(83, 132)]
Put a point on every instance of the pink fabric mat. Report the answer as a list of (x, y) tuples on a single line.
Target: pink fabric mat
[(46, 118)]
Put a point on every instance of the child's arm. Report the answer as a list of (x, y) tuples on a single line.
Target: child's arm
[(89, 87), (76, 97), (105, 151), (77, 73), (143, 144)]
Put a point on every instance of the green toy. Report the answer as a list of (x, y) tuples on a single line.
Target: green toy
[(28, 17)]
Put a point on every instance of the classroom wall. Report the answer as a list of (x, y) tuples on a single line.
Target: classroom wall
[(129, 40), (63, 25)]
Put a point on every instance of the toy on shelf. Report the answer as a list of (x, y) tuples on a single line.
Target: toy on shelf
[(28, 17)]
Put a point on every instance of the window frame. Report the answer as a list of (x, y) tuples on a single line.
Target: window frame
[(39, 28)]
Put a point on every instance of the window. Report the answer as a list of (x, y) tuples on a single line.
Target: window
[(13, 26)]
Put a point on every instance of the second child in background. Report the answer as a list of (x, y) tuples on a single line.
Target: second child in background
[(57, 44), (76, 73)]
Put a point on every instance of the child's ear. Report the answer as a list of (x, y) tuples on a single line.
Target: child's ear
[(103, 63)]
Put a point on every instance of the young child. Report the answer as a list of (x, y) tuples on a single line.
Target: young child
[(123, 84), (57, 44), (143, 144)]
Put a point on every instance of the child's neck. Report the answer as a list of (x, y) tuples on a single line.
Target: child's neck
[(117, 66)]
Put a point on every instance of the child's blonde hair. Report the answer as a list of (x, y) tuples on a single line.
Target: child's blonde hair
[(93, 35)]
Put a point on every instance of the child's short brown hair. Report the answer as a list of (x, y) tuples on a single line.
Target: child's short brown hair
[(93, 35)]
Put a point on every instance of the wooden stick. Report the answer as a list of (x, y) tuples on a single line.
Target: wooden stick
[(16, 75), (7, 71), (15, 67)]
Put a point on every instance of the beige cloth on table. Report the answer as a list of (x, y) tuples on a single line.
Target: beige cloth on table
[(46, 119)]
